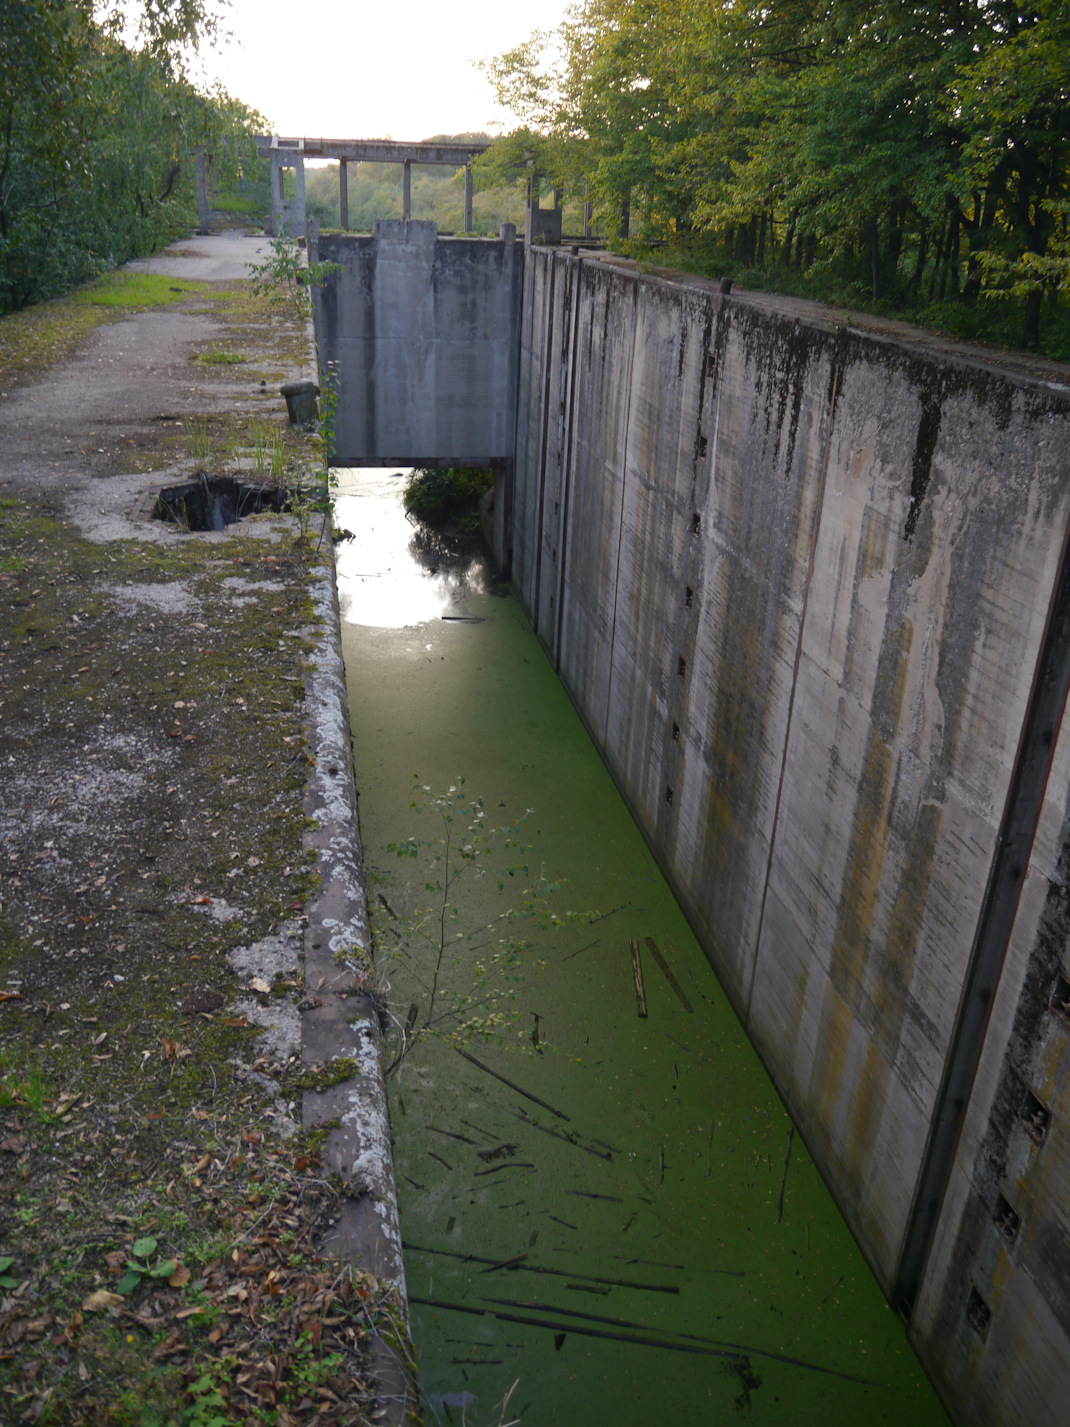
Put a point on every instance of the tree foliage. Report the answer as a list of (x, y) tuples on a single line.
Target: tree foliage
[(97, 140), (921, 151)]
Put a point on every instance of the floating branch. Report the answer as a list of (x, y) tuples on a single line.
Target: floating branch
[(784, 1177), (526, 1094), (637, 973), (669, 977)]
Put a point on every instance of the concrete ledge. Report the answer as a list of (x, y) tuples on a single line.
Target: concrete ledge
[(340, 1015)]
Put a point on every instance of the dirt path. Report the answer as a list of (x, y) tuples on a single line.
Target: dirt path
[(186, 1017)]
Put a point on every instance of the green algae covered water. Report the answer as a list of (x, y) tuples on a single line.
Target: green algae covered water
[(608, 1217)]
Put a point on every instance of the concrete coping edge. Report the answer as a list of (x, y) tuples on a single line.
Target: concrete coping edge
[(341, 1014)]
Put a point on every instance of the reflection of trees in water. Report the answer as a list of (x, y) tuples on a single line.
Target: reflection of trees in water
[(462, 560)]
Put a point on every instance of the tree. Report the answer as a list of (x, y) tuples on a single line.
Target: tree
[(884, 139), (96, 139)]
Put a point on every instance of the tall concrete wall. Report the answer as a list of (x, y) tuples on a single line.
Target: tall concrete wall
[(418, 334), (806, 587)]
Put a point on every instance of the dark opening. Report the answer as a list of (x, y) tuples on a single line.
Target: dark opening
[(1006, 1220), (214, 502), (696, 522), (681, 667), (1035, 1116), (1060, 999), (676, 733), (978, 1313), (703, 445), (689, 595), (668, 797)]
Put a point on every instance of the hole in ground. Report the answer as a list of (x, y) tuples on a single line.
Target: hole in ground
[(214, 502)]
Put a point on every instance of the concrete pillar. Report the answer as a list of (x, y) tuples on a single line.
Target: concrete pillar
[(343, 195), (202, 193), (406, 190), (276, 195), (468, 197)]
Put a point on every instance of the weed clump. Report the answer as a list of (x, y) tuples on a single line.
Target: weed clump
[(449, 495)]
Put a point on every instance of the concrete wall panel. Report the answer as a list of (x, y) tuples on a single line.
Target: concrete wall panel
[(421, 335), (599, 438), (807, 585)]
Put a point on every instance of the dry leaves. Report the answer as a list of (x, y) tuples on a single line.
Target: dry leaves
[(277, 1306)]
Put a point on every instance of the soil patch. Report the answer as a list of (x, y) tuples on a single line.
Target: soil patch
[(162, 1211)]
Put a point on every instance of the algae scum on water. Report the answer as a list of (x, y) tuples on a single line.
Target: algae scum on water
[(606, 1214)]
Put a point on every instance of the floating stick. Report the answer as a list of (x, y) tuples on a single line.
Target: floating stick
[(505, 1263), (669, 977), (637, 972), (539, 1268), (784, 1177), (452, 1134), (734, 1349), (569, 1139), (526, 1093)]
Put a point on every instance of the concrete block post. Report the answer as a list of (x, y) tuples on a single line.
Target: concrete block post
[(406, 190), (468, 198), (343, 195), (277, 195), (299, 178), (202, 193)]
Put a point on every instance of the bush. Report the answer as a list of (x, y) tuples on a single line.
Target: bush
[(448, 493)]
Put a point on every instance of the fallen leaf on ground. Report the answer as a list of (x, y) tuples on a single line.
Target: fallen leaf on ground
[(102, 1299)]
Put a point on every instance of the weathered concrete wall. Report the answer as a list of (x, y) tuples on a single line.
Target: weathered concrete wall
[(420, 335), (798, 579)]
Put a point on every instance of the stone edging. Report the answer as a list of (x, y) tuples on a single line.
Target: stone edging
[(340, 1014)]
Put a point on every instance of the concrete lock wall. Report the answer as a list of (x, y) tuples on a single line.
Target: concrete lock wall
[(418, 334), (806, 587)]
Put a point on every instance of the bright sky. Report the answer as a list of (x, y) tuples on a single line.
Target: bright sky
[(342, 69)]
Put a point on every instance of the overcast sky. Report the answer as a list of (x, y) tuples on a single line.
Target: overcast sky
[(355, 70)]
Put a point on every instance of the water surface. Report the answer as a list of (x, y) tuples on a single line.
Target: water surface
[(631, 1232)]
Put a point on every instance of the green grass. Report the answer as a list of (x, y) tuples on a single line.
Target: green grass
[(218, 358), (993, 319), (237, 203), (24, 1085), (136, 290)]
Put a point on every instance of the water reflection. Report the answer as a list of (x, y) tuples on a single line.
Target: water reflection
[(392, 574)]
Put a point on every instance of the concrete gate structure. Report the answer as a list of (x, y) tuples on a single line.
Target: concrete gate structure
[(288, 215)]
